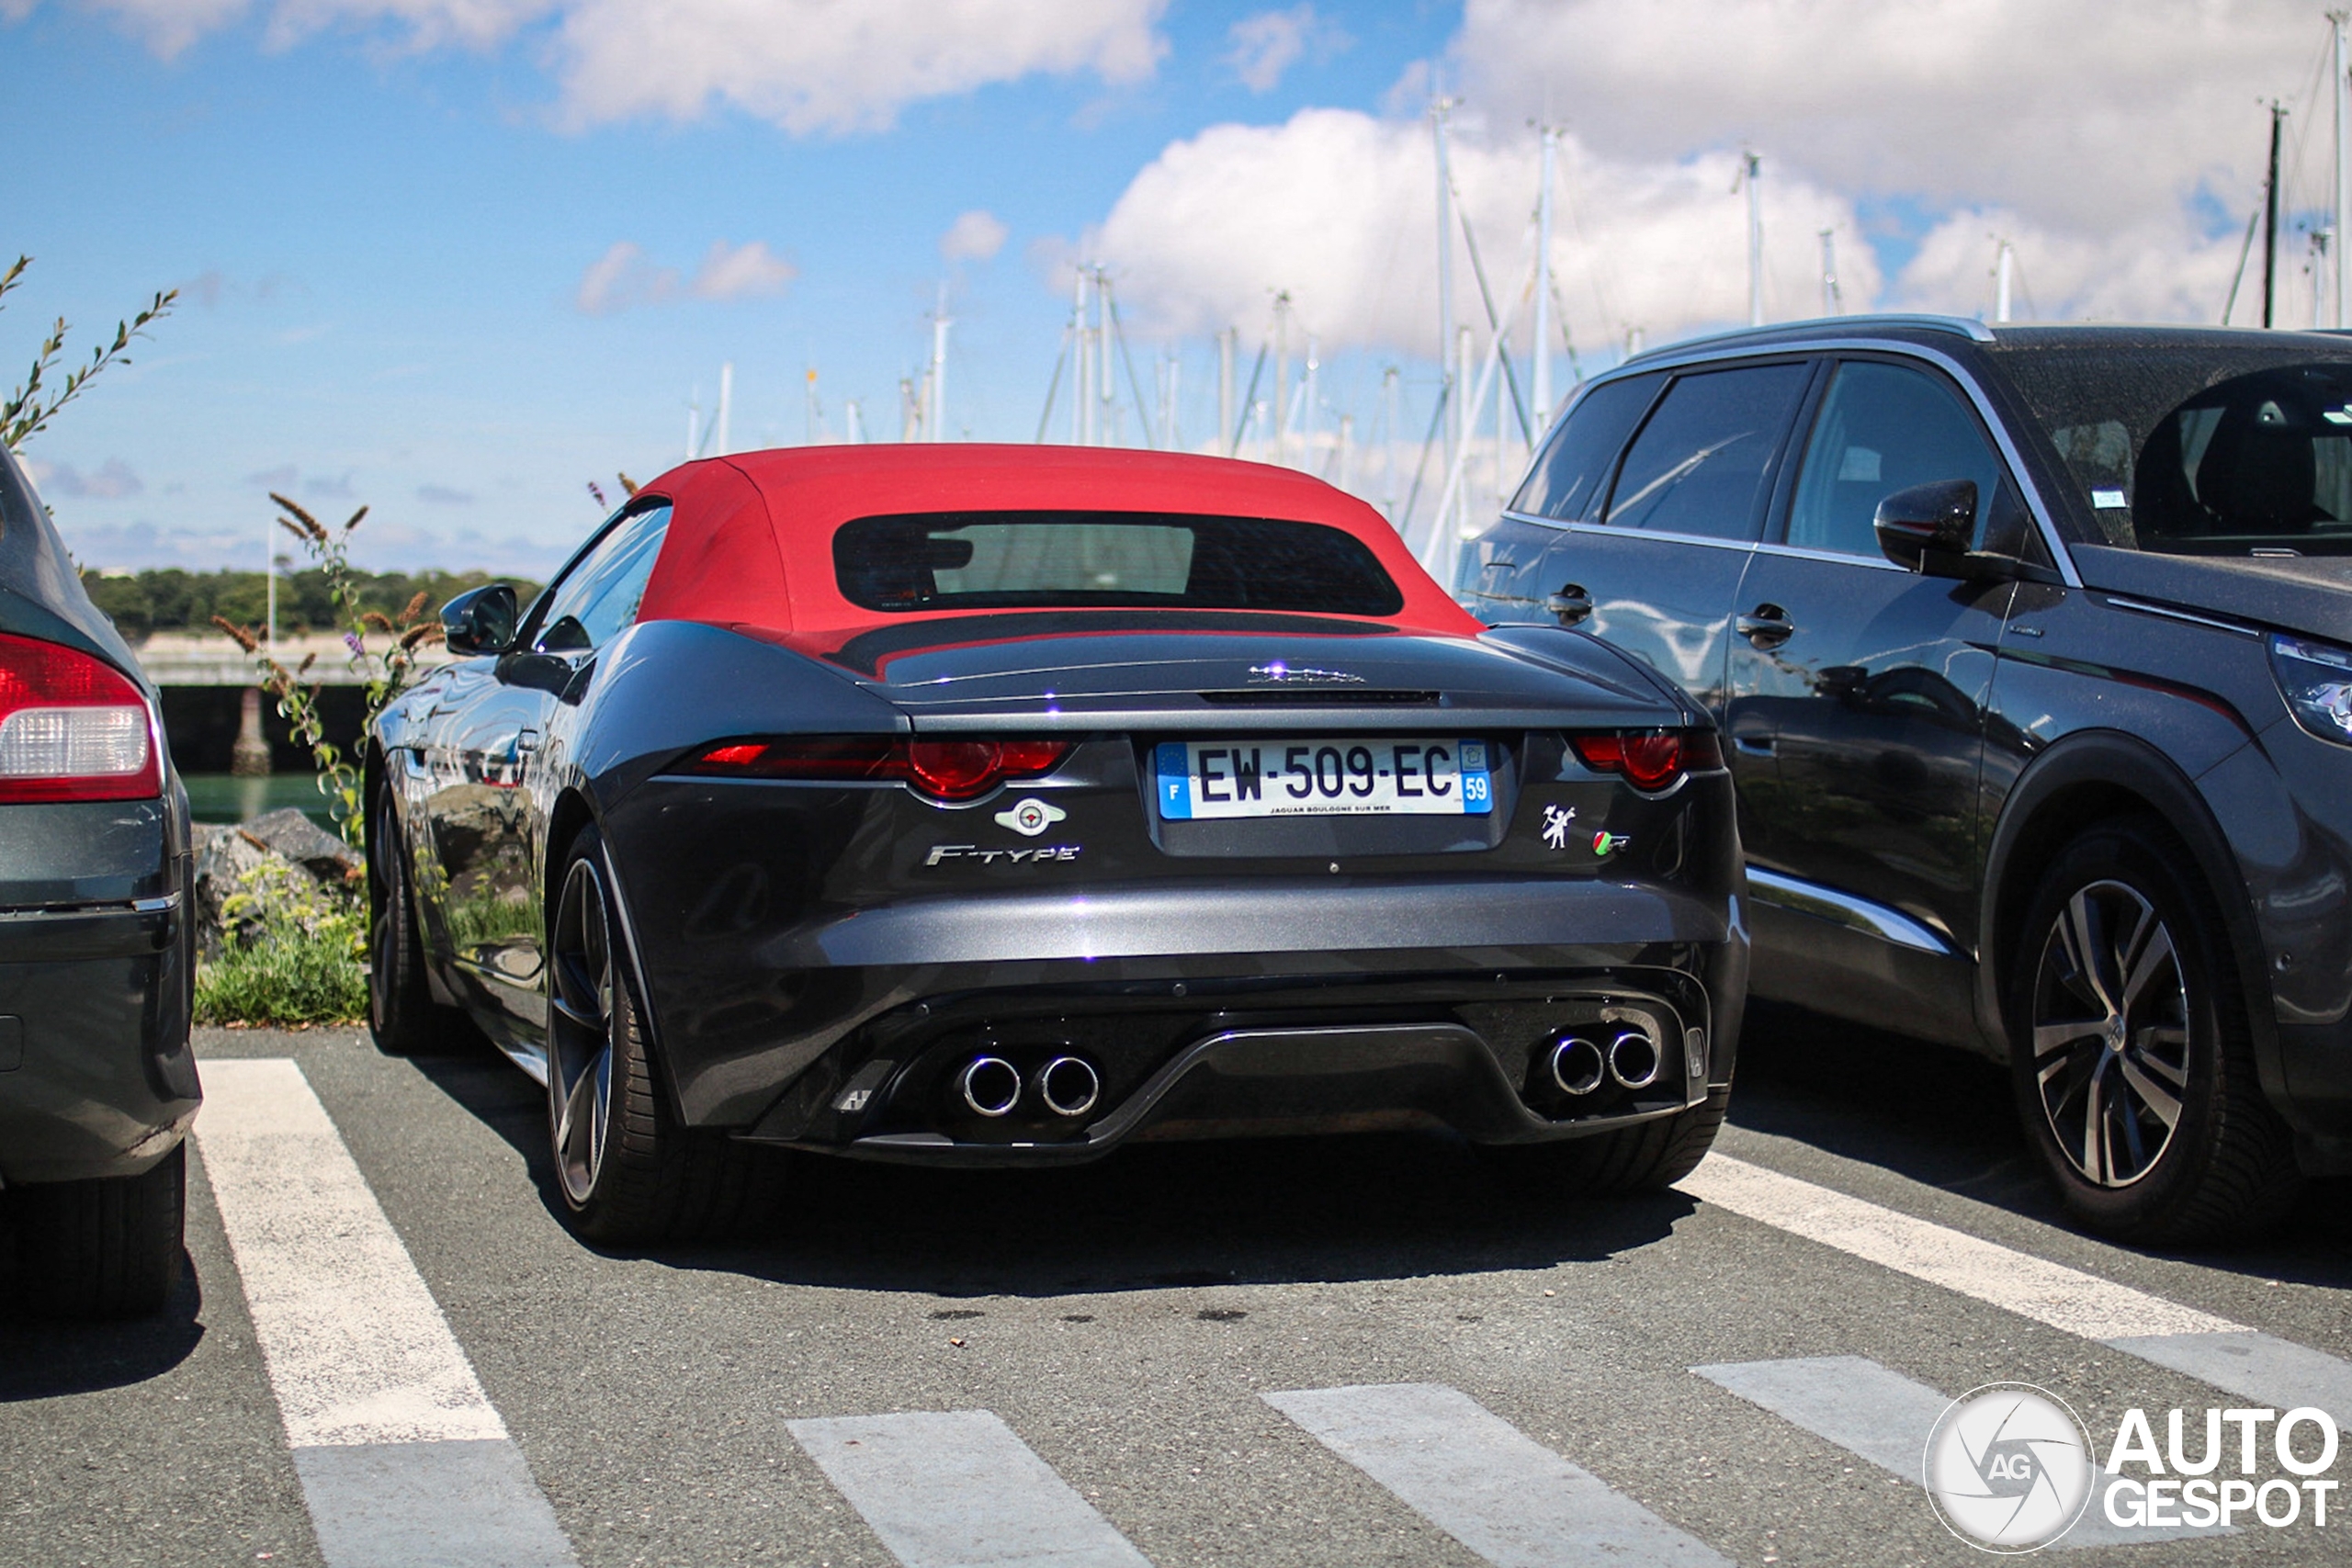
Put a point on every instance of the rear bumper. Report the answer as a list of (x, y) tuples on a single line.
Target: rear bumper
[(743, 1009), (96, 1078)]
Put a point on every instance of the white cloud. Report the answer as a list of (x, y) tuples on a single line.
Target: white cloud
[(742, 272), (976, 235), (2078, 113), (113, 479), (808, 65), (821, 65), (621, 277), (1338, 208), (625, 277), (1266, 45)]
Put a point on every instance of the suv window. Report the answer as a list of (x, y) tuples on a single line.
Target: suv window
[(1884, 428), (1567, 481), (597, 599), (1703, 462)]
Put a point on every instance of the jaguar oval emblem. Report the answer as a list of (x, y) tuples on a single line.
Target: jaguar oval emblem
[(1279, 671)]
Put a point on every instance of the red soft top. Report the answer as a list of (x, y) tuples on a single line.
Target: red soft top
[(749, 544)]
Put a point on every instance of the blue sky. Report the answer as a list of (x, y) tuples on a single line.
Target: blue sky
[(381, 223)]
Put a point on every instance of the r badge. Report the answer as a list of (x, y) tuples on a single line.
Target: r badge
[(1030, 817), (1606, 844)]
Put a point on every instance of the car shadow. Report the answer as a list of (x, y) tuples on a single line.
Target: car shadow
[(1944, 1117), (1362, 1206), (46, 1359)]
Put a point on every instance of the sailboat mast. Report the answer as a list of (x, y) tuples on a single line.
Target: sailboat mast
[(1754, 174), (1438, 112), (1551, 136), (2338, 20), (2270, 220)]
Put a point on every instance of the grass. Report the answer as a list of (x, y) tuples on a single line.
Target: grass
[(293, 952), (293, 977)]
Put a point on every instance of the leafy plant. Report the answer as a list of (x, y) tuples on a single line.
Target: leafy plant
[(32, 405), (293, 951), (386, 668)]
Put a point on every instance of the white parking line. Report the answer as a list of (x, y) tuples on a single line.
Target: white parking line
[(957, 1489), (1486, 1483), (2228, 1355), (1882, 1416), (403, 1459), (2032, 1287)]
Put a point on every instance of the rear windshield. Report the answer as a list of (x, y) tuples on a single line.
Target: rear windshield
[(993, 561), (2199, 450)]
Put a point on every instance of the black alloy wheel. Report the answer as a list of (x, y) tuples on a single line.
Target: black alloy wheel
[(401, 1013), (628, 1171), (2129, 1053)]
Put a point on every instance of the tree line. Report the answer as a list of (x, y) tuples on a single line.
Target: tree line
[(170, 599)]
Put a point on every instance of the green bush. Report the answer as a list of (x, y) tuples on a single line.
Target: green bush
[(293, 951)]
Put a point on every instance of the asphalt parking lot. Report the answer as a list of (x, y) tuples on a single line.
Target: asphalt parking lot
[(1355, 1351)]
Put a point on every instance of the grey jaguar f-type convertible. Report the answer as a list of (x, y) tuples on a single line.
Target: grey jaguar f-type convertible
[(999, 806)]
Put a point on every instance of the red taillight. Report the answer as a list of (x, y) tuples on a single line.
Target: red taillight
[(72, 727), (946, 770), (1652, 758)]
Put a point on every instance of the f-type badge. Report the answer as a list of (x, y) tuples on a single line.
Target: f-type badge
[(1030, 817)]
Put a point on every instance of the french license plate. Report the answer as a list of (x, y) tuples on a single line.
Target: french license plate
[(1199, 779)]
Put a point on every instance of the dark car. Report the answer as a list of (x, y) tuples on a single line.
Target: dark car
[(97, 1085), (997, 806), (2032, 650)]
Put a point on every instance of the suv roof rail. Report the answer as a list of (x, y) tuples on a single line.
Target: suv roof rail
[(1958, 326)]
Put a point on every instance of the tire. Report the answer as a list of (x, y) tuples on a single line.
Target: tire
[(2130, 1052), (628, 1172), (401, 1013), (1646, 1157), (103, 1248)]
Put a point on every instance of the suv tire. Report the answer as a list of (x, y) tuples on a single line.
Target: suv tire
[(2130, 1052), (102, 1249)]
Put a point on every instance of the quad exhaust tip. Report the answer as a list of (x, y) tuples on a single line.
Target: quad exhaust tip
[(991, 1085), (1634, 1060), (1069, 1086), (1578, 1065)]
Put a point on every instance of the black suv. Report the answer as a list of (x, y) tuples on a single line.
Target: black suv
[(2033, 647), (97, 1085)]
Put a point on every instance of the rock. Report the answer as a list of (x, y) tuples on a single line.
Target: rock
[(225, 858), (202, 833), (287, 832)]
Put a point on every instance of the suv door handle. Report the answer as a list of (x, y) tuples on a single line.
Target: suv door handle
[(1571, 603), (1767, 625)]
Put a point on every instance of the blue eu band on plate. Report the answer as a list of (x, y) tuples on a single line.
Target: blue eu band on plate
[(1384, 776)]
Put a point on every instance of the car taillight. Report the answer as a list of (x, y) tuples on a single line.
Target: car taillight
[(1650, 758), (72, 727), (944, 769)]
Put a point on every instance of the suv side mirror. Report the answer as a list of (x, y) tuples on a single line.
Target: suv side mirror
[(1928, 528), (480, 620)]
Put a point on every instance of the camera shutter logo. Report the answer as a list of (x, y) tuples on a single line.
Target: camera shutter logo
[(2008, 1468)]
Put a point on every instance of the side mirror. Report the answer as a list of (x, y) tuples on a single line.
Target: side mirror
[(1917, 524), (480, 620)]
